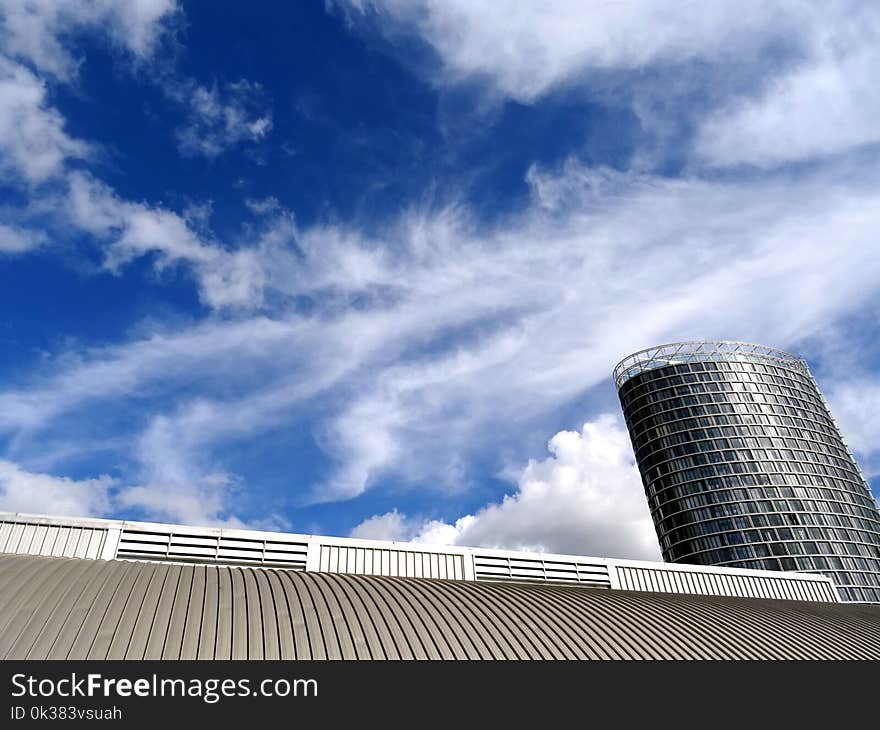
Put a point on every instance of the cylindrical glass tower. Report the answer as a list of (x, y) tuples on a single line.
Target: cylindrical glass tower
[(744, 466)]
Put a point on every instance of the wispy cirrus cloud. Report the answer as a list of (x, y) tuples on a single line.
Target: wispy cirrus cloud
[(37, 31), (825, 103), (782, 82), (227, 277), (527, 51), (220, 117), (465, 337)]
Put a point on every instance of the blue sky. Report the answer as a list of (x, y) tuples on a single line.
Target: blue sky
[(365, 267)]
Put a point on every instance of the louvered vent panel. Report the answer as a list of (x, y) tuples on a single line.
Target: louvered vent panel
[(502, 567), (211, 548)]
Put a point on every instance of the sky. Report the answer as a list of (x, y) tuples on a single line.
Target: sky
[(364, 267)]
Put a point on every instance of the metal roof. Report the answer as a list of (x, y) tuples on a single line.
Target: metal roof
[(72, 608)]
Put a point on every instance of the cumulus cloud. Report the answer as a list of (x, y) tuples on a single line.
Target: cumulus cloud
[(25, 491), (585, 498), (221, 117), (388, 526)]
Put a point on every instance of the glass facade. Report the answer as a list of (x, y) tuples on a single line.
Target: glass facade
[(743, 465)]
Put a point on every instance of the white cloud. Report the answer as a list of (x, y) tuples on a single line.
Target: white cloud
[(465, 339), (263, 206), (827, 104), (586, 498), (364, 438), (526, 49), (784, 81), (443, 337), (460, 331), (35, 46), (18, 240), (33, 143), (34, 31), (203, 501), (855, 404), (558, 297), (221, 117), (25, 491), (34, 149), (226, 278), (389, 526), (232, 350), (38, 34), (175, 482)]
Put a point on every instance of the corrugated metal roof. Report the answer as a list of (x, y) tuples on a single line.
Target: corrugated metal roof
[(68, 608)]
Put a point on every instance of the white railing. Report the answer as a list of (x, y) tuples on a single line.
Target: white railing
[(677, 353)]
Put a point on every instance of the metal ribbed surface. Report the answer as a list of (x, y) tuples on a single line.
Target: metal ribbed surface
[(699, 583), (39, 538), (362, 560), (76, 609)]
